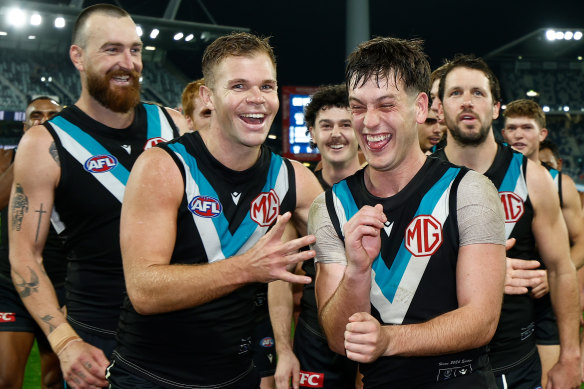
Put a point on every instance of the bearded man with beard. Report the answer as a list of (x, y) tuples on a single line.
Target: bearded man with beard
[(470, 96), (77, 165)]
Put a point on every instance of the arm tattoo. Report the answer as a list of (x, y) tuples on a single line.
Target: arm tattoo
[(19, 207), (47, 319), (25, 288), (54, 152), (40, 211)]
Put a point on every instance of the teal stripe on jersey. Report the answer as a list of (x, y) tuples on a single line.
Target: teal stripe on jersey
[(512, 175), (154, 127)]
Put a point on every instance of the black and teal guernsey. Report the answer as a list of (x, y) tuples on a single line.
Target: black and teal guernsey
[(414, 275), (223, 213), (95, 164), (513, 342), (557, 177)]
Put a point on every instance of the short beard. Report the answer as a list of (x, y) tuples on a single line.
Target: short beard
[(467, 139), (116, 99)]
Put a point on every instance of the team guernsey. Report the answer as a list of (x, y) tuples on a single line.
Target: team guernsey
[(513, 342), (414, 275), (95, 162), (223, 213)]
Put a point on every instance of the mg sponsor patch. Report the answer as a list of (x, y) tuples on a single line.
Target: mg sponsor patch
[(265, 208), (100, 163), (513, 206), (7, 317), (205, 206), (309, 379), (153, 142), (423, 236)]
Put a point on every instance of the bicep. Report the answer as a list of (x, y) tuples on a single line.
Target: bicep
[(328, 278), (149, 213), (307, 189)]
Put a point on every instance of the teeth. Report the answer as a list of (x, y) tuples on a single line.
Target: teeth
[(253, 115), (376, 138), (336, 147)]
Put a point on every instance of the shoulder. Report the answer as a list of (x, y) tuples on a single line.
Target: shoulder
[(179, 120), (306, 181)]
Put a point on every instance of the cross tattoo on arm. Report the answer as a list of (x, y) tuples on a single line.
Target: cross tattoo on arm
[(40, 211)]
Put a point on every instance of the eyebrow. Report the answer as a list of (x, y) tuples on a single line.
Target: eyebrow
[(380, 98)]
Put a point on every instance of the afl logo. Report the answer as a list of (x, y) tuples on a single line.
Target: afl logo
[(153, 142), (267, 342), (513, 206), (265, 208), (423, 236), (205, 206), (100, 163)]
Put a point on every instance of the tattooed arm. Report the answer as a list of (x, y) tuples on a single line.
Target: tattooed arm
[(36, 175)]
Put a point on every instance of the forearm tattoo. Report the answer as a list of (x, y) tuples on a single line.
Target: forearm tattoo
[(26, 288), (40, 211), (47, 319), (54, 153), (19, 207)]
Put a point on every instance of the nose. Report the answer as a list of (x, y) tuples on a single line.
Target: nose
[(371, 119), (467, 101), (126, 60), (255, 96)]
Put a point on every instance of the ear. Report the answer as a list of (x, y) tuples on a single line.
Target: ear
[(496, 110), (421, 107), (206, 95), (76, 55), (543, 133)]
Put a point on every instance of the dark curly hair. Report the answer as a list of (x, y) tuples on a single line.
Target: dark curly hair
[(326, 96)]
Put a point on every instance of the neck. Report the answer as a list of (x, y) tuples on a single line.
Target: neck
[(98, 112), (335, 172), (388, 183), (235, 157), (478, 158), (535, 157)]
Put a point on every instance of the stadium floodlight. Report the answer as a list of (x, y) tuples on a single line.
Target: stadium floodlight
[(31, 37), (139, 31), (578, 35), (568, 35), (36, 19), (16, 17), (178, 36), (154, 33), (60, 22), (189, 38), (566, 108), (545, 108), (3, 33), (150, 48), (550, 35), (579, 58), (559, 35), (532, 93)]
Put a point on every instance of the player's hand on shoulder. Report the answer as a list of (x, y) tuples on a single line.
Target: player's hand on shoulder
[(272, 259), (83, 365), (363, 236)]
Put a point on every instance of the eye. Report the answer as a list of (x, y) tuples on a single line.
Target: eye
[(136, 50), (268, 87), (237, 86), (455, 93), (478, 93), (357, 109)]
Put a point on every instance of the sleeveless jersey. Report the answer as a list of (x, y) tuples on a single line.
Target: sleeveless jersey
[(414, 275), (95, 163), (513, 341), (223, 213)]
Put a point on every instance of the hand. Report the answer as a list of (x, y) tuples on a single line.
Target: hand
[(83, 365), (271, 259), (365, 339), (287, 367), (541, 289), (521, 274), (565, 375), (363, 236)]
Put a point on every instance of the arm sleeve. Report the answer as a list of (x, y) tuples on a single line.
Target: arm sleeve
[(479, 210), (328, 246)]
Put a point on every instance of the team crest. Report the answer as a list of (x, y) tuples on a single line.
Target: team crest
[(100, 163), (205, 206), (423, 236), (265, 208), (513, 206), (153, 142)]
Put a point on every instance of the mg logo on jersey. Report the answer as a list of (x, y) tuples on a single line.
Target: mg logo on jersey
[(309, 379), (6, 317), (153, 142), (265, 208), (513, 206), (205, 206), (423, 236), (100, 163)]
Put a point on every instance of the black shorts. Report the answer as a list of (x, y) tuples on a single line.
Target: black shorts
[(14, 316), (107, 344), (120, 378), (320, 367), (263, 348), (527, 375), (546, 325)]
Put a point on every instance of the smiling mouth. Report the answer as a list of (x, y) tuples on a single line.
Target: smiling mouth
[(377, 142), (336, 146), (253, 118)]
